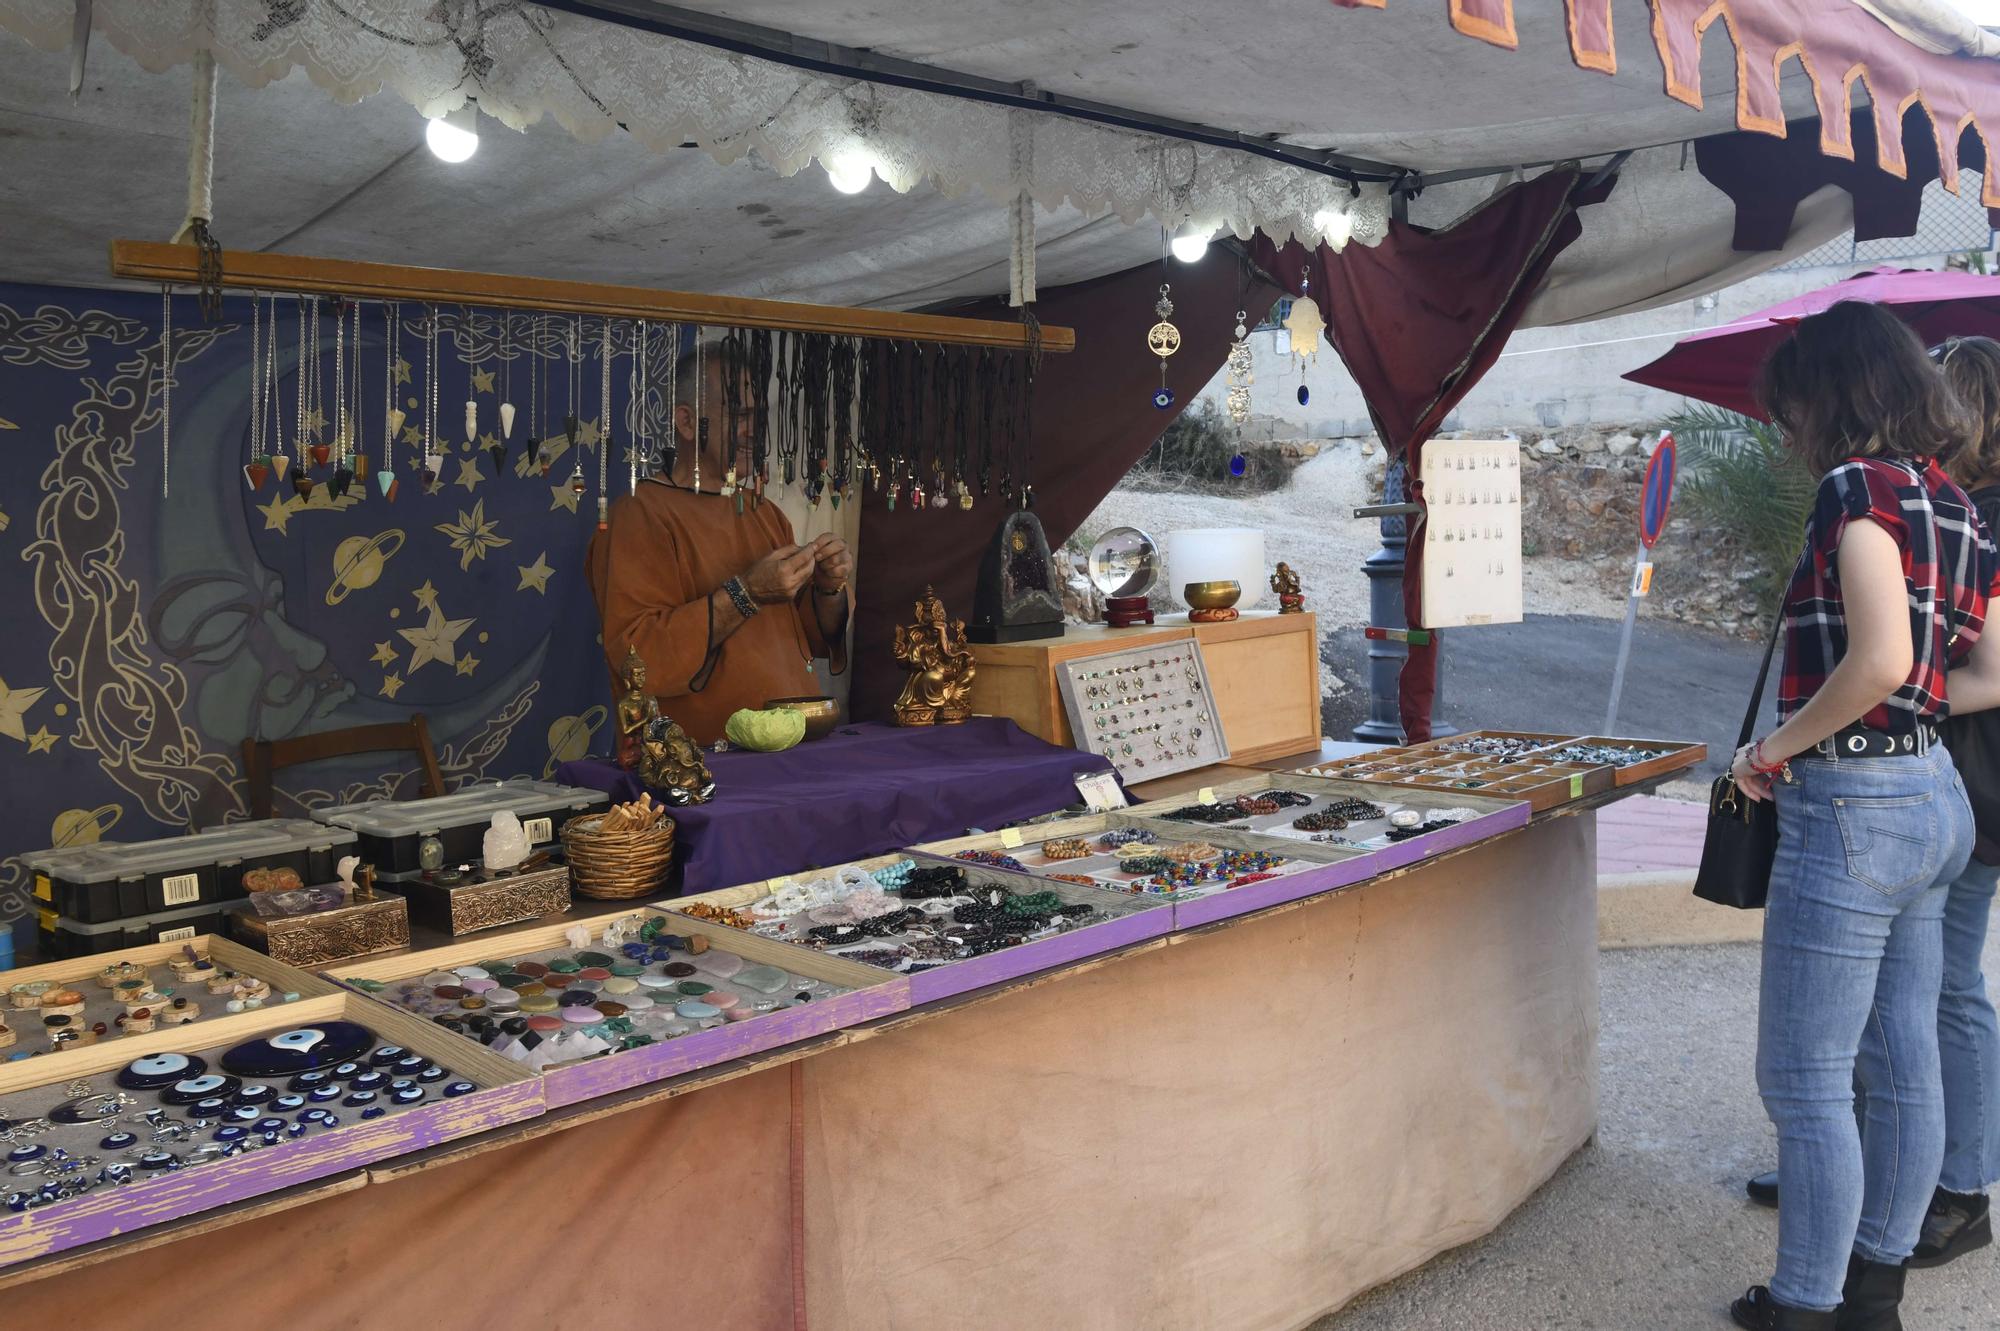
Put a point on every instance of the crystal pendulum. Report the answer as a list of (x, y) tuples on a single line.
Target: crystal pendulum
[(392, 417), (254, 471), (604, 415), (499, 450)]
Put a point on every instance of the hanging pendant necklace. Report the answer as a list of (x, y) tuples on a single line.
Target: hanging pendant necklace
[(465, 355), (392, 415), (254, 470), (345, 450), (506, 389), (700, 423), (432, 459), (604, 420), (670, 439), (316, 421), (577, 484)]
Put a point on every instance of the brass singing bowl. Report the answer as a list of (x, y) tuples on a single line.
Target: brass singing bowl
[(1212, 595), (822, 714)]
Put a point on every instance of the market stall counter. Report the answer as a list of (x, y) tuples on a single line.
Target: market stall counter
[(1404, 1056), (863, 790)]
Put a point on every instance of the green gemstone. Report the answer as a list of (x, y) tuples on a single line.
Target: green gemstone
[(694, 988), (593, 959), (627, 968), (565, 965)]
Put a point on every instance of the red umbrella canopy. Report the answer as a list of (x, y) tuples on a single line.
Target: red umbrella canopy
[(1720, 364)]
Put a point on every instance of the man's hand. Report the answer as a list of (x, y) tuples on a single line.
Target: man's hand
[(777, 577), (834, 563)]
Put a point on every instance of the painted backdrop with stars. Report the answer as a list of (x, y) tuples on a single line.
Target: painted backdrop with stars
[(146, 635)]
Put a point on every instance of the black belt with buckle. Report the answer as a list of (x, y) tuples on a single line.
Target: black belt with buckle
[(1867, 742)]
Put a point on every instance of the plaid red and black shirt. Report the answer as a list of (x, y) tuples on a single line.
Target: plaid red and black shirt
[(1949, 568)]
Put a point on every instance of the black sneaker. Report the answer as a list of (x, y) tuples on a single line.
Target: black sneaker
[(1957, 1224), (1758, 1311), (1763, 1189)]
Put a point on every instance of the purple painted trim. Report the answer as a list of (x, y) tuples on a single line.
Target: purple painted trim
[(1234, 901), (109, 1212), (1014, 962), (690, 1053)]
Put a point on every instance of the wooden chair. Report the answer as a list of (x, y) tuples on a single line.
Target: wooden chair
[(263, 757)]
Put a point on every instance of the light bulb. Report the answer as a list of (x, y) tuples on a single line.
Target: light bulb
[(454, 137), (1335, 226), (1190, 243), (850, 170)]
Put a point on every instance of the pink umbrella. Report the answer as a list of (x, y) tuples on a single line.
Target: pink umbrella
[(1720, 364)]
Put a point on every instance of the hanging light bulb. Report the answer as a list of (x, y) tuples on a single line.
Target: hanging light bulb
[(1335, 226), (454, 136), (1190, 242), (850, 170)]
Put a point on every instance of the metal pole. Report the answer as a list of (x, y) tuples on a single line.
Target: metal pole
[(1384, 570), (1624, 646)]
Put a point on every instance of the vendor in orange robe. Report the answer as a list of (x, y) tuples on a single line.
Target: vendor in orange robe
[(727, 609)]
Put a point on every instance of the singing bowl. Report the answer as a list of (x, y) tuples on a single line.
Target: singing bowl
[(822, 714), (1212, 595)]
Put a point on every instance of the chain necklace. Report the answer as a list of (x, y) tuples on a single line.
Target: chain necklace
[(256, 386), (166, 382), (431, 459), (392, 419), (700, 423), (670, 449), (604, 419)]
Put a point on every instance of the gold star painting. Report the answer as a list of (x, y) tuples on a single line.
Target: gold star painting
[(469, 474), (535, 575), (279, 512), (402, 371), (385, 654), (482, 381), (41, 741), (562, 496), (587, 434), (391, 685), (427, 597), (14, 704), (435, 641), (472, 535), (467, 664)]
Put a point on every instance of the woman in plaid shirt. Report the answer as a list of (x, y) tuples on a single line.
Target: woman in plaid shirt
[(1889, 594)]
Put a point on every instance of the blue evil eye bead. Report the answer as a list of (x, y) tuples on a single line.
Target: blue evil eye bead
[(409, 1065), (267, 1126), (1238, 465), (317, 1116), (24, 1153), (195, 1089), (432, 1073), (118, 1141), (1163, 398), (369, 1081), (407, 1095), (287, 1103), (385, 1055), (359, 1098), (158, 1070), (254, 1094), (305, 1081), (231, 1132), (296, 1130), (115, 1174), (1305, 395), (244, 1114), (319, 1095), (347, 1070), (157, 1160), (375, 1111), (210, 1106), (455, 1089)]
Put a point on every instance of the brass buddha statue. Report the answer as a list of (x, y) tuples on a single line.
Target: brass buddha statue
[(666, 759), (940, 666)]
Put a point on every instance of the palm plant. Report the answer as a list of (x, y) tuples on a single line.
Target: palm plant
[(1740, 480)]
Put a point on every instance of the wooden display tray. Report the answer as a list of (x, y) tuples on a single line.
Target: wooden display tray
[(1675, 756), (215, 1026), (1327, 867), (873, 993), (507, 1094), (1137, 919), (1498, 814)]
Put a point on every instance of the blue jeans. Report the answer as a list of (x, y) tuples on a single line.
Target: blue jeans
[(1968, 1040), (1853, 961)]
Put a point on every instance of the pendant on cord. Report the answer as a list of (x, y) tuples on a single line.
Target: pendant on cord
[(1163, 340)]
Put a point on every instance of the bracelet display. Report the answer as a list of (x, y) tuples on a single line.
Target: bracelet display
[(740, 598)]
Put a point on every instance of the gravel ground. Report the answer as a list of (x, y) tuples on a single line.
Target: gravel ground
[(1309, 524), (1648, 1227)]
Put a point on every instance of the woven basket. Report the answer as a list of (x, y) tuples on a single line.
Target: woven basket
[(617, 866)]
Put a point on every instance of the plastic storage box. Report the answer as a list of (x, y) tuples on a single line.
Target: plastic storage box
[(107, 881), (390, 830), (61, 937)]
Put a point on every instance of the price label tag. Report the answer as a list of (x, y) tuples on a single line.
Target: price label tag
[(1207, 795), (777, 885), (1576, 786), (1100, 791), (1010, 837), (1642, 580)]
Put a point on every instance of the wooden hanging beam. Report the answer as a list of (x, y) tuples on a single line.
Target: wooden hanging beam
[(148, 261)]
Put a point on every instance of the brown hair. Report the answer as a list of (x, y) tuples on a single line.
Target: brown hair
[(1971, 366), (1854, 381)]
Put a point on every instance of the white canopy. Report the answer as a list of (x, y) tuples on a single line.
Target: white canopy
[(637, 201)]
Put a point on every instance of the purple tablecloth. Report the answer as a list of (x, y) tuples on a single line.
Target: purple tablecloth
[(863, 790)]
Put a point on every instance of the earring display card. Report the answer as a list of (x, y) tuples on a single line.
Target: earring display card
[(1472, 532), (1149, 709)]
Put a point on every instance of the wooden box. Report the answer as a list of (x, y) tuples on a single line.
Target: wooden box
[(1673, 756), (871, 993), (505, 1095), (358, 929), (1263, 671), (468, 907)]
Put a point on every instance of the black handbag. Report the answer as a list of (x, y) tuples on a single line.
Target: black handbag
[(1974, 739), (1742, 838)]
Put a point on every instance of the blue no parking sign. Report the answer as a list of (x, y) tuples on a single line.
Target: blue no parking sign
[(1659, 497)]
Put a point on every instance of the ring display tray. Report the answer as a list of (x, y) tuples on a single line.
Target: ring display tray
[(844, 993), (201, 1016), (1547, 770), (201, 1175), (1372, 848), (1148, 709), (1124, 919)]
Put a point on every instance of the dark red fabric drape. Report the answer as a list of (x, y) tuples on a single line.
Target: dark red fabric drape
[(1093, 418), (1417, 320)]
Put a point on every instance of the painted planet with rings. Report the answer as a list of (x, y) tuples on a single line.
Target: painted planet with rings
[(358, 561), (570, 737), (82, 827)]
